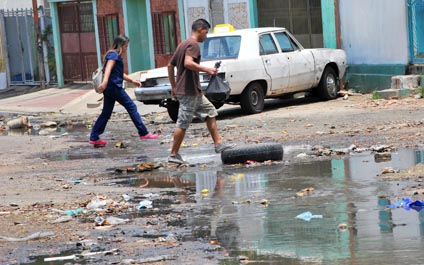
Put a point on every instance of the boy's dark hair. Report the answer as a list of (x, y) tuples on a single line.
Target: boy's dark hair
[(200, 24)]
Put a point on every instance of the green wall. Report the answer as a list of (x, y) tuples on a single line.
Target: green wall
[(366, 78), (138, 27), (329, 23)]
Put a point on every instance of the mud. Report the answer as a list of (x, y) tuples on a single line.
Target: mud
[(59, 170)]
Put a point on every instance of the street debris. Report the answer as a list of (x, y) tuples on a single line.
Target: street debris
[(62, 219), (121, 145), (111, 220), (148, 260), (146, 166), (83, 255), (34, 236), (145, 204), (305, 191), (307, 216), (264, 202), (48, 124), (407, 204), (18, 123)]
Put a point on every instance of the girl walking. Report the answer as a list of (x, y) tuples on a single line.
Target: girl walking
[(113, 91)]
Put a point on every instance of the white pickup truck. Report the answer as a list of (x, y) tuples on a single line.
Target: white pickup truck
[(257, 63)]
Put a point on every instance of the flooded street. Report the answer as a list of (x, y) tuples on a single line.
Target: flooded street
[(335, 198), (356, 226)]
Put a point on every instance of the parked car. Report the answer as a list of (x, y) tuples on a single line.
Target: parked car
[(257, 63)]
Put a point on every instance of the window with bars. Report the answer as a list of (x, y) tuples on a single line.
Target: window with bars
[(108, 30), (164, 32)]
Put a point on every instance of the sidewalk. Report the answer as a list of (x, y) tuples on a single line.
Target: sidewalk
[(73, 100)]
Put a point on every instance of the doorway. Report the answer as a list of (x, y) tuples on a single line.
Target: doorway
[(416, 34), (76, 24)]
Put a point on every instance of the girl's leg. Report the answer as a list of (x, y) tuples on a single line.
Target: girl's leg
[(101, 122), (129, 105)]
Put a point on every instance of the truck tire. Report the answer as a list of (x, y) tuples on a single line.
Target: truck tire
[(252, 99), (257, 152), (328, 85)]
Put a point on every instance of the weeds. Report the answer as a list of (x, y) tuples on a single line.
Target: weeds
[(375, 95)]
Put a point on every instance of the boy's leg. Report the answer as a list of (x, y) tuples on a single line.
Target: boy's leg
[(178, 140), (213, 130)]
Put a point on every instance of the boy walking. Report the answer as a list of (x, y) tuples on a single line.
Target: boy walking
[(186, 88)]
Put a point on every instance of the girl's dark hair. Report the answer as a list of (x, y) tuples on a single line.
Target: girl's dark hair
[(118, 42), (200, 24)]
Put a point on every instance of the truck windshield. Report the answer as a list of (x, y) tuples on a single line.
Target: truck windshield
[(222, 47)]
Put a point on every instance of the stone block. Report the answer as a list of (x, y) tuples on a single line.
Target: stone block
[(405, 81), (396, 93)]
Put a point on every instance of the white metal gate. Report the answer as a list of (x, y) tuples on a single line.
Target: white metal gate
[(19, 47)]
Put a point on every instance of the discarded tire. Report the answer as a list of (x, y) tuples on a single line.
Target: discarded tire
[(257, 152)]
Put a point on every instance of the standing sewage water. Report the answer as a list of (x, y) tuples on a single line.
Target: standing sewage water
[(252, 212)]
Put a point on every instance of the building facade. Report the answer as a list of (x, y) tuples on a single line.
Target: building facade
[(83, 30)]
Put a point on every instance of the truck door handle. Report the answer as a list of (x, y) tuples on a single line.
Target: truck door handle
[(268, 61)]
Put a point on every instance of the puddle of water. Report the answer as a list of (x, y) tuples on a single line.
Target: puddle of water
[(347, 192)]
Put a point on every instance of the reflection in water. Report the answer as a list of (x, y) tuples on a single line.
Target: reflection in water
[(347, 192)]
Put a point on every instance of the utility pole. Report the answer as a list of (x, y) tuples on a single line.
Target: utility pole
[(39, 45)]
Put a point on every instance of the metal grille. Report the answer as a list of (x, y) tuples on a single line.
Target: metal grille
[(108, 30), (78, 40), (301, 17), (19, 37), (164, 32)]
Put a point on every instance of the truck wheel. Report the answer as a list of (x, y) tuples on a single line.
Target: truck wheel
[(252, 99), (172, 106), (257, 152), (328, 85)]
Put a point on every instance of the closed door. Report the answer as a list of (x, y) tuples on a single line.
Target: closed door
[(78, 40)]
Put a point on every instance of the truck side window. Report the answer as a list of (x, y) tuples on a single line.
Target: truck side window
[(285, 42), (267, 45)]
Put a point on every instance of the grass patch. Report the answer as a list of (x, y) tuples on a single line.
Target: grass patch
[(376, 95)]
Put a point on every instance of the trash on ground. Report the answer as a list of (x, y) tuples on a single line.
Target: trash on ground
[(62, 219), (126, 197), (74, 212), (111, 220), (18, 123), (98, 203), (146, 166), (77, 256), (47, 124), (307, 216), (145, 204), (265, 202), (121, 145), (305, 191), (407, 204), (34, 236), (148, 260)]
